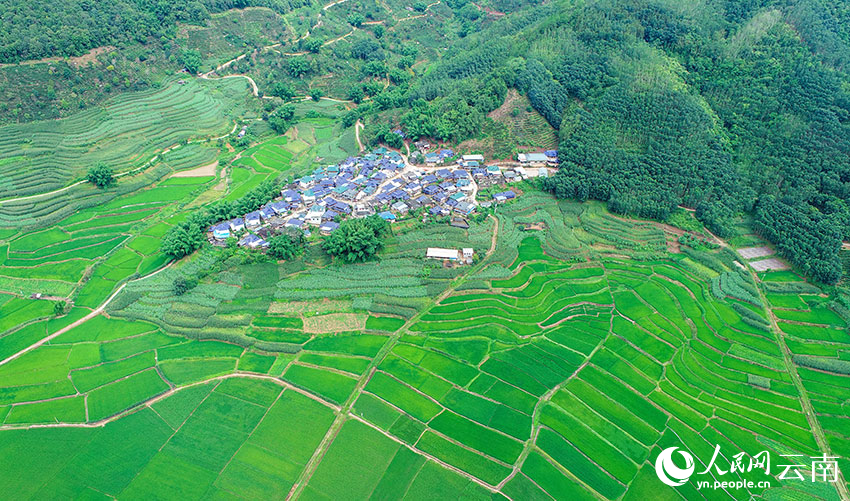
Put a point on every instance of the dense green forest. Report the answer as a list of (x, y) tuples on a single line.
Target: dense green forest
[(32, 30), (724, 107)]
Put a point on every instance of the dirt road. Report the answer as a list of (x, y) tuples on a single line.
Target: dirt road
[(79, 322), (357, 126)]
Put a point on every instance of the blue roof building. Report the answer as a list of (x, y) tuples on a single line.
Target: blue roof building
[(221, 231), (295, 223), (252, 219), (267, 213), (251, 240), (328, 227)]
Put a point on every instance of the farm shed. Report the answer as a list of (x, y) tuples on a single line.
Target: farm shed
[(441, 254), (459, 222)]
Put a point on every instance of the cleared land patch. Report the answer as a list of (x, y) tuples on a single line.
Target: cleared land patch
[(334, 322)]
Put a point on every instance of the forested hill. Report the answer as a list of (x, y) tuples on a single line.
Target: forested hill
[(717, 105), (724, 106), (32, 30)]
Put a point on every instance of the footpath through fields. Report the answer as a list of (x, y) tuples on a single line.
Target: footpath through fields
[(387, 347), (97, 311)]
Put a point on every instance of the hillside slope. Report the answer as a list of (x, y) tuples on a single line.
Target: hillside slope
[(724, 107)]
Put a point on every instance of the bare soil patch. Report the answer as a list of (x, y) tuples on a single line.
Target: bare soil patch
[(304, 307), (503, 112), (204, 171), (335, 322), (773, 263), (671, 235), (754, 252), (74, 61)]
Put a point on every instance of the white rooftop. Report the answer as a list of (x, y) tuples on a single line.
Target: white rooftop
[(439, 253), (531, 157)]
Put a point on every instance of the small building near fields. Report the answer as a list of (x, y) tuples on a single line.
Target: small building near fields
[(442, 254), (535, 159), (328, 227), (221, 231)]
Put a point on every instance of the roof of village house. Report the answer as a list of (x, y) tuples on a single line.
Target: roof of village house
[(328, 226), (532, 157)]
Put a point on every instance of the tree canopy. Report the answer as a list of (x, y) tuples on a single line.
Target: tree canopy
[(187, 236), (357, 239), (286, 245), (100, 175), (33, 30)]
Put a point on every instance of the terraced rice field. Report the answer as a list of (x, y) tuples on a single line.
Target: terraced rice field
[(534, 377), (818, 344), (82, 259), (123, 133)]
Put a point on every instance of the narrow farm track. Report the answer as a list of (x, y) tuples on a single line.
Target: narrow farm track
[(164, 395), (805, 402), (535, 415), (357, 126), (336, 2), (255, 90), (494, 238), (425, 454), (417, 16), (345, 411), (274, 46), (97, 311)]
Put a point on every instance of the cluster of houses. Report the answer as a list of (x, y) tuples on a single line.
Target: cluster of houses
[(548, 158), (377, 183)]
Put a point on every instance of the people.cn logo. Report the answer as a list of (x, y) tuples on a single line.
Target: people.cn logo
[(668, 472)]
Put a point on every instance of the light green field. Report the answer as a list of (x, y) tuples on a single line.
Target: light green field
[(556, 357)]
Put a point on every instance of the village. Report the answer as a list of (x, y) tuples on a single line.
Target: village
[(383, 182)]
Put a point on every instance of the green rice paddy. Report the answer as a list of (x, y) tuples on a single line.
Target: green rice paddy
[(555, 368), (550, 371)]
